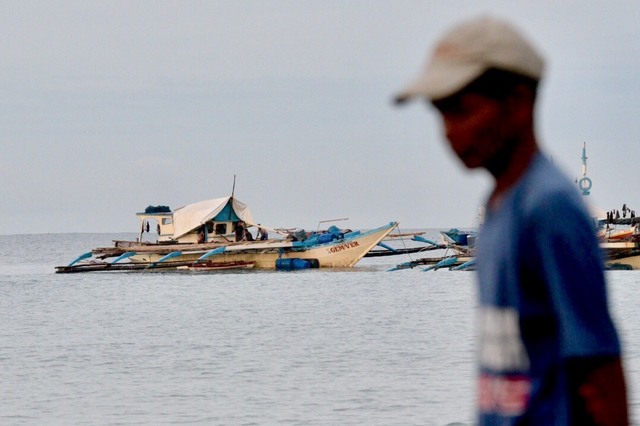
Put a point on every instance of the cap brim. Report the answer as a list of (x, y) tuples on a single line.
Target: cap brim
[(440, 81)]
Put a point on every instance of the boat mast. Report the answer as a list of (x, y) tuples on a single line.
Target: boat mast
[(233, 189)]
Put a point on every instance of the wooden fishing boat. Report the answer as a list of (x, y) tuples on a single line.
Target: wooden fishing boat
[(620, 242), (207, 233), (458, 252)]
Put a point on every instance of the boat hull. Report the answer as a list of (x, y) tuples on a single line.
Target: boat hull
[(343, 253)]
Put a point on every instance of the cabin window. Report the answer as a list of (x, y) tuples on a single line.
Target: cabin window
[(209, 227), (221, 228), (167, 220)]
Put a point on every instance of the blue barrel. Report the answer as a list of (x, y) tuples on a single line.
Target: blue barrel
[(292, 264)]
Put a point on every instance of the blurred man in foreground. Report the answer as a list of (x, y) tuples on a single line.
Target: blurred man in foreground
[(549, 353)]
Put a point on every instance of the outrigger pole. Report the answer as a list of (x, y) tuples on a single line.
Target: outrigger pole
[(330, 220)]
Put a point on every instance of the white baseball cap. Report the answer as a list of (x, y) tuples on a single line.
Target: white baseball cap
[(468, 50)]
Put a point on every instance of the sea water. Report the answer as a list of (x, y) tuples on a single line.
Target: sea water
[(358, 346)]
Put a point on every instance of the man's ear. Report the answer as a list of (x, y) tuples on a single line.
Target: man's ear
[(521, 103)]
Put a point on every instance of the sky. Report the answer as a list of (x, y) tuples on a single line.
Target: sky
[(110, 106)]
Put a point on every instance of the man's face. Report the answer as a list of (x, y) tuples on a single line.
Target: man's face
[(477, 128)]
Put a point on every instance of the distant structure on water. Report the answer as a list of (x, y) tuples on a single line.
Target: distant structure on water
[(584, 183)]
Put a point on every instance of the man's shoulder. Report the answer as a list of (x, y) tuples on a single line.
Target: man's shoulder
[(546, 186)]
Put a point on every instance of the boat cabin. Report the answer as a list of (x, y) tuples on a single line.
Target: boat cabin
[(205, 221)]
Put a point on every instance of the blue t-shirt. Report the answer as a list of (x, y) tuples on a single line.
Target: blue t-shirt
[(542, 299)]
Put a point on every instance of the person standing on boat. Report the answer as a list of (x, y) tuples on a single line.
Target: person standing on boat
[(263, 235), (549, 353), (240, 235)]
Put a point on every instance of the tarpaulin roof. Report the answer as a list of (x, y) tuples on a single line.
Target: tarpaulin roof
[(191, 216)]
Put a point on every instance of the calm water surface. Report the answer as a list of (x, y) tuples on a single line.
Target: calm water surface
[(315, 347)]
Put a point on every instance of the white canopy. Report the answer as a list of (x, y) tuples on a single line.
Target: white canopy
[(191, 216)]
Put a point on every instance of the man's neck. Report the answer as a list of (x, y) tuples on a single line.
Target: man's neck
[(513, 168)]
